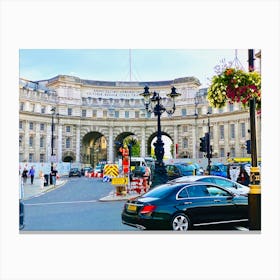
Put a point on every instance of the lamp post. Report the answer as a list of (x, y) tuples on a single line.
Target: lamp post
[(154, 105), (53, 109), (254, 197)]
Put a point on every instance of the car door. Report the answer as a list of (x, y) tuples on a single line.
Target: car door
[(196, 203), (223, 207)]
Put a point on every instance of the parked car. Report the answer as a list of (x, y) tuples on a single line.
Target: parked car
[(176, 170), (74, 172), (99, 168), (220, 181), (88, 169), (182, 206)]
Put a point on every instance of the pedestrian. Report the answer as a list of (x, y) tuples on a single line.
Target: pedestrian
[(53, 174), (42, 179), (24, 175), (31, 173)]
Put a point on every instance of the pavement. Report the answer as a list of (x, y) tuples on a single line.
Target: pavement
[(29, 191)]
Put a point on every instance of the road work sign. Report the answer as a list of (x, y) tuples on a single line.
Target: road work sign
[(120, 181)]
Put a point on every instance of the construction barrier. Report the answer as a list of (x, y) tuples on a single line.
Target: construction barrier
[(111, 170), (139, 185)]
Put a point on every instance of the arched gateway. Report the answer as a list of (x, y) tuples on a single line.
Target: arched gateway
[(90, 116)]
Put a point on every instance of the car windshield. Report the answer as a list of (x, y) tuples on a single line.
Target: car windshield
[(160, 191)]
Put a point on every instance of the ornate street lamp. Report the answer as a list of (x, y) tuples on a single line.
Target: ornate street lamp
[(153, 105)]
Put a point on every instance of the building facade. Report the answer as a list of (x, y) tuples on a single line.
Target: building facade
[(89, 116)]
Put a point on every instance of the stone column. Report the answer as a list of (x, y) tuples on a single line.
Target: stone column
[(78, 142), (110, 151), (175, 140), (26, 142), (37, 142), (143, 141), (59, 144), (48, 142)]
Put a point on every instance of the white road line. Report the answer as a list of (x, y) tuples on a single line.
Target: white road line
[(242, 228), (60, 202)]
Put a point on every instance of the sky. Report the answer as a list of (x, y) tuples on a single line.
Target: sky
[(127, 64)]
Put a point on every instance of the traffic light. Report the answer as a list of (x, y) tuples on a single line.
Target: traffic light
[(207, 143), (202, 144), (248, 146)]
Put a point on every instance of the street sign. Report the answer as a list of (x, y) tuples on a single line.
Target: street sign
[(120, 181)]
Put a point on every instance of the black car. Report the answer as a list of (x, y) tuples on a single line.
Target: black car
[(182, 206), (74, 172)]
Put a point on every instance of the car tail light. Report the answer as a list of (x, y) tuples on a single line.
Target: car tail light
[(148, 209)]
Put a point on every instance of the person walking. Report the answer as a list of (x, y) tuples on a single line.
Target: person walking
[(24, 175), (31, 173), (42, 179), (53, 174)]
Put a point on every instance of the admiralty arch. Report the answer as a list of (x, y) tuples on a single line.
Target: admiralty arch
[(89, 116)]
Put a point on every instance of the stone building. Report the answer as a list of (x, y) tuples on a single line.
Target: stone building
[(89, 116)]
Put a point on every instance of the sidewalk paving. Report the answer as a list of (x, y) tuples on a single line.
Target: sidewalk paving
[(30, 191)]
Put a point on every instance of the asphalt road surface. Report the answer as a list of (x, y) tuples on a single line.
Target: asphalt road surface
[(75, 207)]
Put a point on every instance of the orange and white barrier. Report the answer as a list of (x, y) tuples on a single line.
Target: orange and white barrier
[(139, 185)]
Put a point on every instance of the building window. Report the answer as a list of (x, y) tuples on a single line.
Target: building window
[(30, 157), (232, 152), (137, 114), (243, 134), (31, 141), (69, 111), (222, 152), (68, 143), (94, 113), (126, 114), (221, 110), (231, 107), (42, 142), (222, 132), (105, 114), (20, 157), (185, 143), (232, 131), (42, 126), (43, 110), (33, 107), (20, 125), (21, 106), (210, 110), (184, 112), (84, 113), (31, 126), (185, 128), (68, 128), (20, 140), (42, 158), (117, 114)]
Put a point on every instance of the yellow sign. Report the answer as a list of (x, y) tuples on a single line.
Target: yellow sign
[(111, 170), (120, 181)]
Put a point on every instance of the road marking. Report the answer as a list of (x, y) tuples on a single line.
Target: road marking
[(60, 202), (242, 228)]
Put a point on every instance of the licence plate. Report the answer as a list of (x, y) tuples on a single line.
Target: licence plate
[(131, 207)]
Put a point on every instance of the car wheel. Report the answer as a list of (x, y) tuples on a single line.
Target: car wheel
[(180, 222)]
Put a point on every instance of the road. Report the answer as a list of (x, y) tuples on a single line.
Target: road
[(75, 206)]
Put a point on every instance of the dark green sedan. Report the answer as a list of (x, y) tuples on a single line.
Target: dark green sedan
[(182, 206)]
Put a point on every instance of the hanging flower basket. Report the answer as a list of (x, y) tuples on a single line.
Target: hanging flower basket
[(234, 85)]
